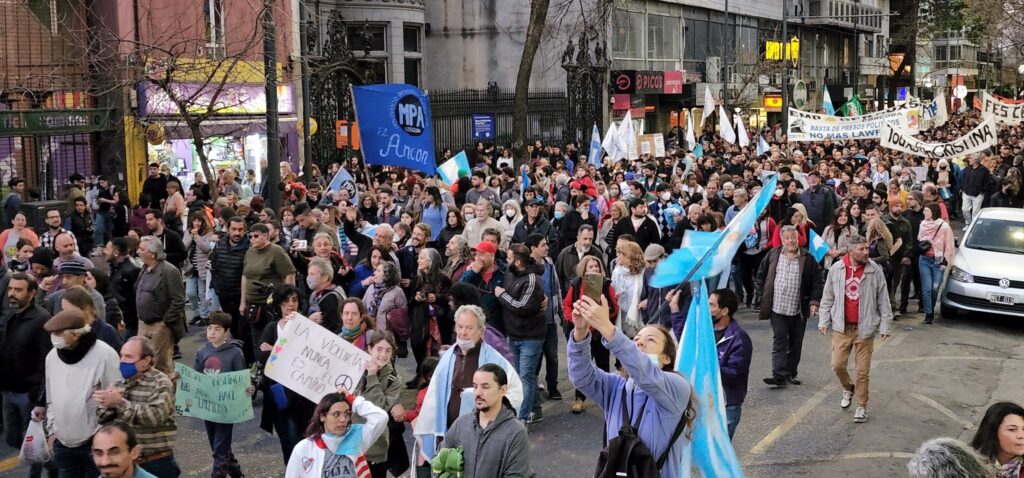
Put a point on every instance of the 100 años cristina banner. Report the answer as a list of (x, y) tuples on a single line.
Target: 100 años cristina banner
[(977, 140), (1008, 113), (804, 126)]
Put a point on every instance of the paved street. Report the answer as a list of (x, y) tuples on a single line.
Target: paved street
[(927, 381)]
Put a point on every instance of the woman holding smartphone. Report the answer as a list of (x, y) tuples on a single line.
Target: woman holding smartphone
[(591, 280)]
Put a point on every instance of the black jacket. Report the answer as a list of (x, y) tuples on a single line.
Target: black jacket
[(226, 263), (81, 227), (812, 282), (173, 247), (541, 226), (23, 348), (646, 235), (123, 277), (976, 180), (521, 303)]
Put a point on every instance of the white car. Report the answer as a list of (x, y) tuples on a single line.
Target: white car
[(988, 271)]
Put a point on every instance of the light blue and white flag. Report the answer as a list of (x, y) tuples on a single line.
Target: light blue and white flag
[(817, 246), (762, 146), (344, 180), (710, 449), (720, 246), (826, 101), (456, 167), (595, 147), (698, 151), (524, 183)]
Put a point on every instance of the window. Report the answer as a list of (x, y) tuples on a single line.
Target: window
[(378, 35), (664, 39), (954, 53), (412, 71), (627, 31), (940, 53), (214, 15), (696, 40), (411, 39), (378, 71)]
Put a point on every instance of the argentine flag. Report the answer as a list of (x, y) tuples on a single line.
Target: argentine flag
[(826, 101), (710, 449), (524, 182), (344, 180), (595, 147), (718, 247), (456, 167), (817, 246), (762, 146)]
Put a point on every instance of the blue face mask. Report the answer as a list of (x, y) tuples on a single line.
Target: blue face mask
[(128, 370), (559, 214)]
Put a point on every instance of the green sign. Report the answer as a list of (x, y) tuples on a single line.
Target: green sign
[(214, 397), (39, 122)]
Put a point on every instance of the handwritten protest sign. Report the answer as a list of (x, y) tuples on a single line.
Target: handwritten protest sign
[(218, 398), (312, 361)]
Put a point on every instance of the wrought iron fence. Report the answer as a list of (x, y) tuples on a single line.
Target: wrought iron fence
[(452, 112)]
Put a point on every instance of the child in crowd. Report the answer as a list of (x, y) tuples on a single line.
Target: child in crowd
[(221, 355)]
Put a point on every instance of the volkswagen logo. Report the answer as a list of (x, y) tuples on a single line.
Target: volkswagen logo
[(1004, 283)]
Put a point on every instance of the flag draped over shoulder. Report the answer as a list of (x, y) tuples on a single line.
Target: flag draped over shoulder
[(432, 422), (721, 246), (710, 449)]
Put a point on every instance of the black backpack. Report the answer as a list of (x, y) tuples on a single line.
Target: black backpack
[(627, 456)]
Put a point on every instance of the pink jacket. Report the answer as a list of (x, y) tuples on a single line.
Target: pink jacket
[(940, 235)]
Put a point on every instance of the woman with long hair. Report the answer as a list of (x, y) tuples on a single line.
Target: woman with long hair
[(458, 256), (454, 225), (856, 216), (937, 248), (328, 451), (199, 242), (948, 458), (880, 243), (647, 392), (627, 280), (284, 411), (120, 213), (432, 323), (1000, 439), (368, 207), (616, 212), (364, 277), (435, 211), (511, 216), (602, 358), (384, 295), (381, 386), (837, 235), (796, 215)]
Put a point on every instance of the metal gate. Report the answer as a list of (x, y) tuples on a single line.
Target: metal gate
[(451, 115)]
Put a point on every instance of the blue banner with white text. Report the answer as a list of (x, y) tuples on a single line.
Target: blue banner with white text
[(394, 120)]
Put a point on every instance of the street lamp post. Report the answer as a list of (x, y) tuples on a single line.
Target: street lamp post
[(1020, 71)]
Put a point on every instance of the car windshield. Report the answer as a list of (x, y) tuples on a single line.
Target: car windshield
[(997, 235)]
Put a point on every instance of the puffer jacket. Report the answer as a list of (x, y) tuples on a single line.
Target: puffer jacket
[(227, 262), (203, 250), (521, 302)]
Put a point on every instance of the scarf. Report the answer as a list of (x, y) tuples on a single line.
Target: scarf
[(1011, 469), (75, 355), (378, 296), (351, 334)]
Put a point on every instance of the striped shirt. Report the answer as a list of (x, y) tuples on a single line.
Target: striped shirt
[(148, 407)]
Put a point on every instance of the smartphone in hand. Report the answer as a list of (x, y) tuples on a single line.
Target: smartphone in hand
[(592, 286)]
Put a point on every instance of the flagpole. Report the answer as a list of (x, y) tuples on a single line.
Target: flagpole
[(679, 287)]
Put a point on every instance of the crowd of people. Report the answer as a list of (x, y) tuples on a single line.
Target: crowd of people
[(482, 280)]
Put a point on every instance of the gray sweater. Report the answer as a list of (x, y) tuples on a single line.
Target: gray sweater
[(500, 450)]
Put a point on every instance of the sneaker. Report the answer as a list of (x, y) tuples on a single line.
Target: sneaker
[(776, 382), (846, 400), (929, 318), (793, 380), (555, 395), (535, 417), (861, 415), (577, 407)]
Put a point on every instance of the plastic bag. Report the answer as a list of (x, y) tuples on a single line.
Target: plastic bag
[(35, 449)]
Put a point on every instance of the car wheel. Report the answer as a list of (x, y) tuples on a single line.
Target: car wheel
[(948, 312)]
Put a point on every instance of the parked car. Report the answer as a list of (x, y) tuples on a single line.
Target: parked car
[(988, 275)]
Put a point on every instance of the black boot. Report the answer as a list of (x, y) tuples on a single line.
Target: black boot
[(929, 318)]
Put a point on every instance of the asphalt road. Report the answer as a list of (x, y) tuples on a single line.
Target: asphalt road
[(926, 381)]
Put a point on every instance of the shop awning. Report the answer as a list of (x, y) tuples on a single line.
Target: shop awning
[(175, 128)]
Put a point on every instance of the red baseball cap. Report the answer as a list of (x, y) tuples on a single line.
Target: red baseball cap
[(486, 246)]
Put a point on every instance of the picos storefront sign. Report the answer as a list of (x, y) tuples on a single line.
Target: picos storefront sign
[(42, 122), (646, 82)]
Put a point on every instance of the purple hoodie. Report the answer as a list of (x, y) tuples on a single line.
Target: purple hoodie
[(668, 392), (735, 351)]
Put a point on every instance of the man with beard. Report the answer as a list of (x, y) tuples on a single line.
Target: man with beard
[(53, 229), (639, 225), (408, 255), (522, 301), (901, 230), (23, 348), (494, 443), (123, 275), (169, 239), (227, 262)]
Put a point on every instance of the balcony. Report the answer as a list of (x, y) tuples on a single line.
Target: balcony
[(843, 14)]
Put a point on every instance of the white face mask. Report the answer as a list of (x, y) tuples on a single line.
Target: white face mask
[(470, 216), (58, 341), (510, 213), (665, 196), (465, 344), (313, 282)]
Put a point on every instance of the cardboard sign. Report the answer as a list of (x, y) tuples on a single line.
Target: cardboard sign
[(653, 144), (218, 398), (312, 361)]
